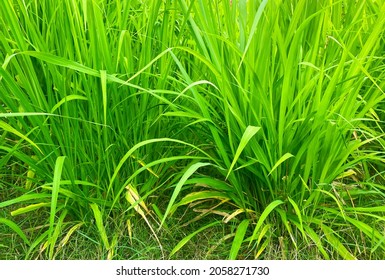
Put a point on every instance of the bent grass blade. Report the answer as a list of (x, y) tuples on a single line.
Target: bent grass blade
[(12, 130), (247, 135), (263, 217), (191, 170), (16, 229)]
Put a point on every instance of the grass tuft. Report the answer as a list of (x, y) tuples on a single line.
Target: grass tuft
[(133, 128)]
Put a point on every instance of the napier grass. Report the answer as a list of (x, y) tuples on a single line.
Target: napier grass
[(192, 129)]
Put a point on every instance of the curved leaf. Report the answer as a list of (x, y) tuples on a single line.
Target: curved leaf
[(238, 239), (15, 228), (247, 135), (263, 217)]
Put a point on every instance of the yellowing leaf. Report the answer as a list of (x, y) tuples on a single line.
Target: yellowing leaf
[(129, 229), (64, 241), (30, 208), (135, 200)]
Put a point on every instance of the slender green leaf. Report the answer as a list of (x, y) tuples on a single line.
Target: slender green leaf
[(10, 129), (247, 135), (238, 239), (55, 192), (15, 228), (336, 243), (99, 224), (58, 229), (280, 161), (264, 216), (67, 99), (190, 171)]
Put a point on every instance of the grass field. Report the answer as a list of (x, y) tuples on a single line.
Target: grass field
[(192, 129)]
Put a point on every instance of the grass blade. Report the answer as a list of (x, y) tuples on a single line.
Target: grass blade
[(100, 226), (16, 229), (179, 186), (238, 239), (30, 208), (336, 243), (55, 192), (10, 129), (247, 135), (263, 217), (253, 29), (279, 162), (52, 240)]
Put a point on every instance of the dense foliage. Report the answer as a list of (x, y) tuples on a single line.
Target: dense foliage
[(261, 118)]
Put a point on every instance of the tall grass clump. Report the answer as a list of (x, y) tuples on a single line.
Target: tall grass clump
[(266, 114), (82, 83), (294, 122)]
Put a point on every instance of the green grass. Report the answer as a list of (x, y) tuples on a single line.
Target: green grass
[(137, 128)]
